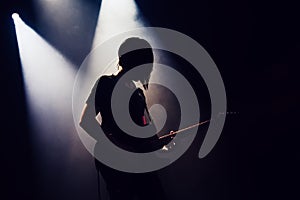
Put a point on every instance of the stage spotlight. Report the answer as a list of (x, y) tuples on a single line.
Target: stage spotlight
[(48, 84), (48, 78), (115, 17), (16, 17)]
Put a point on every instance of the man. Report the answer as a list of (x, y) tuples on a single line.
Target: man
[(133, 52)]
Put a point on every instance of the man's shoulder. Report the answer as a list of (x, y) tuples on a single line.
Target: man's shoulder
[(105, 82), (106, 79)]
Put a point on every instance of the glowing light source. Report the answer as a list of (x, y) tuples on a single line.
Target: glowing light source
[(16, 17), (48, 79), (116, 16)]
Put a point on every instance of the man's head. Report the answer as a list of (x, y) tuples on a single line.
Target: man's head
[(134, 52)]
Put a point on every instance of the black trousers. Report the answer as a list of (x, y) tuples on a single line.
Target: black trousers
[(131, 186)]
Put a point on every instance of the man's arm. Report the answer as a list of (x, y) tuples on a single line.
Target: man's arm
[(88, 121), (88, 117)]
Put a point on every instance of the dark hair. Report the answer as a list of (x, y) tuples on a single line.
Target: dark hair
[(133, 52)]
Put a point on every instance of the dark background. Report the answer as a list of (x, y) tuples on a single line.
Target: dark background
[(255, 45)]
